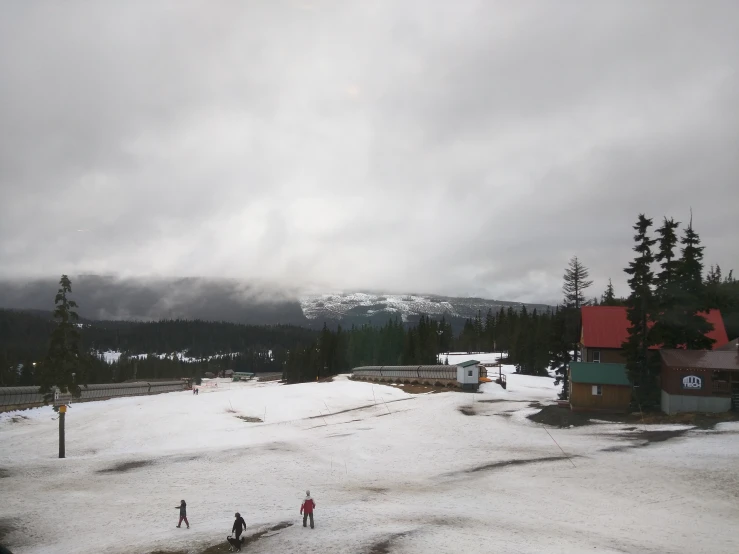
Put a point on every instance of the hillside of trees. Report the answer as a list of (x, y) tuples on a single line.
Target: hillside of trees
[(24, 340)]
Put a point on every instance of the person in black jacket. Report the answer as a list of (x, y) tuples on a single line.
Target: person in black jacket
[(183, 513), (239, 526)]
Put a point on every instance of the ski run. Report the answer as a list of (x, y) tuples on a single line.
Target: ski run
[(389, 471)]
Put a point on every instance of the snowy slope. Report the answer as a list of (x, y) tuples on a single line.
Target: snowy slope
[(357, 304), (385, 467)]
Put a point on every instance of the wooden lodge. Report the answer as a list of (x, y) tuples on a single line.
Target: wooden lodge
[(599, 387), (691, 380), (605, 328)]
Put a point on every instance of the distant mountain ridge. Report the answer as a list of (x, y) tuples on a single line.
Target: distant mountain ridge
[(113, 298), (363, 307)]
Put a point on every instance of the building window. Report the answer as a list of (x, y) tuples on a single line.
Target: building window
[(597, 390), (469, 373), (596, 356)]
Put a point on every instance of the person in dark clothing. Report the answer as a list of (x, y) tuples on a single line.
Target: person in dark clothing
[(239, 526), (306, 508), (183, 514)]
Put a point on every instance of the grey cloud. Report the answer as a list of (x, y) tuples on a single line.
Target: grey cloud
[(452, 148)]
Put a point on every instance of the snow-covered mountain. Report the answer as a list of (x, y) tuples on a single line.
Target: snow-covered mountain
[(367, 306), (112, 298)]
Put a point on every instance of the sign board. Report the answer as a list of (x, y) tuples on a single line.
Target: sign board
[(692, 382), (62, 409)]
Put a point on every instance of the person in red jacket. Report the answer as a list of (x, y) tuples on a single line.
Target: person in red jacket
[(306, 508)]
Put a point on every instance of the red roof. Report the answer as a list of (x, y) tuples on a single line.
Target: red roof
[(607, 327)]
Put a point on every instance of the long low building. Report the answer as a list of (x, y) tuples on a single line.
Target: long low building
[(699, 381), (19, 398), (465, 375)]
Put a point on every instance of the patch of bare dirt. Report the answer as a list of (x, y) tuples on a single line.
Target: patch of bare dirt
[(422, 389), (248, 539), (7, 526), (408, 387), (383, 546), (280, 446), (700, 420), (497, 400), (640, 439), (250, 419), (124, 467), (18, 418), (558, 416), (379, 490), (375, 405), (506, 463)]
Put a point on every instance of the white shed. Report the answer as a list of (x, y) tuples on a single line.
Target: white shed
[(468, 374)]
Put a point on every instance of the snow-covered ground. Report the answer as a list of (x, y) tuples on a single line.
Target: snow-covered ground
[(112, 356), (411, 471)]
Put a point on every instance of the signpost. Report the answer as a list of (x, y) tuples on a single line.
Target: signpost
[(62, 413)]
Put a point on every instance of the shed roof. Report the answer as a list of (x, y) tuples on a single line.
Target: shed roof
[(732, 346), (607, 327), (701, 359), (599, 374), (468, 363)]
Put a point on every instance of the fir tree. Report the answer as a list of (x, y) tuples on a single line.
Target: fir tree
[(575, 283), (692, 300), (666, 315), (561, 349), (609, 296), (640, 363), (65, 365)]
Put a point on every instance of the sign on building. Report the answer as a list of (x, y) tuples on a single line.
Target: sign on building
[(692, 382)]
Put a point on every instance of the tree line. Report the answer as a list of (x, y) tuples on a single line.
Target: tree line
[(25, 341)]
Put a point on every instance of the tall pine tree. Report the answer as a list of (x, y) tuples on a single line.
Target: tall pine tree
[(576, 282), (641, 364), (692, 298), (65, 365), (609, 296), (666, 314)]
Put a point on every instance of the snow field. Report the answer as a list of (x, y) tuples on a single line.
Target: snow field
[(382, 465)]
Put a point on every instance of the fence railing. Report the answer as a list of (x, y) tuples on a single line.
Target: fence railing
[(16, 398)]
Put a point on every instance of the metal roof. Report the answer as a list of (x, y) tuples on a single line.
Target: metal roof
[(607, 327), (403, 367), (599, 374), (468, 363), (732, 346), (701, 359)]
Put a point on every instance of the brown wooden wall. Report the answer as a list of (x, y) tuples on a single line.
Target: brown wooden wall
[(671, 379), (614, 398), (607, 355)]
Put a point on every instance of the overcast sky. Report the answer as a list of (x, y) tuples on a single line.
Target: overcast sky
[(462, 148)]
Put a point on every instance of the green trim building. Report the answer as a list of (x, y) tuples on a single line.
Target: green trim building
[(599, 387)]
